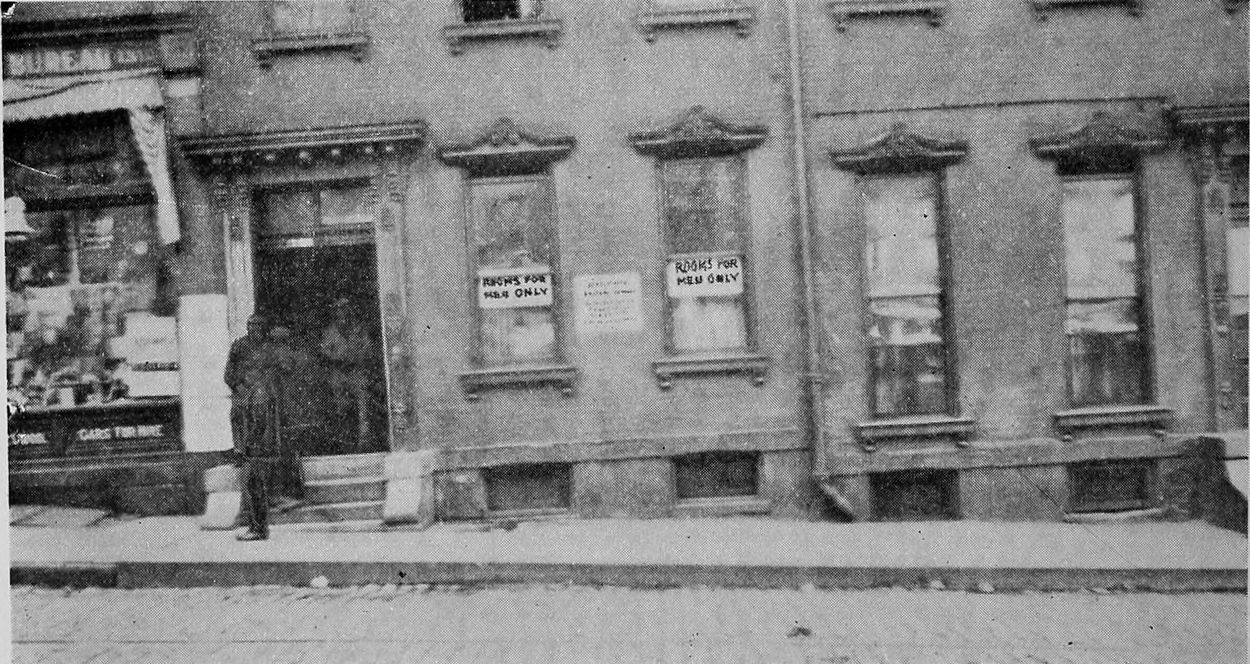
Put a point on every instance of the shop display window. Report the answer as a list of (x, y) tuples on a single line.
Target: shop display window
[(1106, 339), (705, 271), (89, 317), (904, 291), (514, 251)]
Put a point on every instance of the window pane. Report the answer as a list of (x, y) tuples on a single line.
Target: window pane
[(702, 205), (312, 17), (1099, 228), (902, 249), (288, 212), (908, 355), (346, 206), (1106, 353), (515, 247), (708, 323)]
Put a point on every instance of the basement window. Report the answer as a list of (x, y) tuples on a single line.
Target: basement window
[(717, 475), (529, 488), (915, 495), (1110, 486)]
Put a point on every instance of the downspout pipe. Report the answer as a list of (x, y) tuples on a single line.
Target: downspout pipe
[(813, 401)]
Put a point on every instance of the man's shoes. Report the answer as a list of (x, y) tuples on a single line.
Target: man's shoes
[(251, 536)]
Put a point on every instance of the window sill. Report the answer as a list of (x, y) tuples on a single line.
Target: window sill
[(913, 427), (1042, 7), (844, 10), (726, 506), (741, 18), (548, 29), (1068, 421), (749, 363), (266, 49), (560, 375)]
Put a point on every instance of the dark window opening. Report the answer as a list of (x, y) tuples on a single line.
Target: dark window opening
[(477, 11), (717, 475), (1110, 486), (545, 486), (914, 495)]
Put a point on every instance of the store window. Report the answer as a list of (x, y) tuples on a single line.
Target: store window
[(89, 307), (1106, 336), (323, 17), (514, 251), (903, 259), (705, 271), (477, 11)]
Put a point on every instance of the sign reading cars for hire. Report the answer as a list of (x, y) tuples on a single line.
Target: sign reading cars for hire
[(510, 288), (607, 302), (703, 276)]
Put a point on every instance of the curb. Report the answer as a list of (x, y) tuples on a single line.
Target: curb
[(132, 575)]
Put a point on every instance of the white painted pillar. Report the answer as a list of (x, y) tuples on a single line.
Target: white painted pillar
[(203, 344)]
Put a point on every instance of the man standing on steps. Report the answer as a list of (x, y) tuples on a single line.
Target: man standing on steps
[(254, 422)]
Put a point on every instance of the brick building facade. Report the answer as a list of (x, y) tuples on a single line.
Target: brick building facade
[(867, 259)]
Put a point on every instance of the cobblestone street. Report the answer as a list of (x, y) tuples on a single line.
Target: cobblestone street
[(574, 624)]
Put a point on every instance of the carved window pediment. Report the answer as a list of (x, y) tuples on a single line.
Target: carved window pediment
[(506, 148), (1103, 138), (698, 134), (900, 150)]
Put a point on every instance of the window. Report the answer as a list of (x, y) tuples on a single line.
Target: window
[(706, 267), (1111, 485), (322, 17), (1104, 327), (330, 213), (539, 487), (514, 253), (477, 11), (905, 299), (716, 475), (915, 495)]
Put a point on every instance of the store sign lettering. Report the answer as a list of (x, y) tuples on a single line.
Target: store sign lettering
[(75, 59), (705, 276), (511, 288), (33, 438), (126, 432)]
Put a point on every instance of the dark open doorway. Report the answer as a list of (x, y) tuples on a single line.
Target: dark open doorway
[(327, 296)]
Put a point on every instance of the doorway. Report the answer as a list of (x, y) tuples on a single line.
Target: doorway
[(327, 297)]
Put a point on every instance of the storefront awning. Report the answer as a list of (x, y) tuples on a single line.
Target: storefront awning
[(137, 93), (41, 98)]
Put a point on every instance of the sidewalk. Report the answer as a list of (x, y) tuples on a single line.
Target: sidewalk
[(760, 553)]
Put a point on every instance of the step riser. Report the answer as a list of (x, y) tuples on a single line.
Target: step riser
[(367, 489), (330, 513), (341, 467)]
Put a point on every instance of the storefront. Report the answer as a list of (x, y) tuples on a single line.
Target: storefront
[(91, 248)]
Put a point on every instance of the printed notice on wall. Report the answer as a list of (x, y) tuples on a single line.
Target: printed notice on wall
[(607, 303), (705, 276), (509, 288)]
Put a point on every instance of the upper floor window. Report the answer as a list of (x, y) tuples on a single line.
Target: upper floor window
[(705, 271), (906, 322), (1106, 343), (322, 17), (476, 11)]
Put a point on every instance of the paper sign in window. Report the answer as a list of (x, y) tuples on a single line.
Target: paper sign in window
[(510, 288), (704, 276)]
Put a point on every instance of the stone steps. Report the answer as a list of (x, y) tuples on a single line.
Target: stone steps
[(319, 468), (345, 490)]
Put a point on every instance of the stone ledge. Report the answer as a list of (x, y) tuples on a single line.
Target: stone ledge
[(1004, 454), (762, 440), (265, 49), (922, 426), (546, 29), (560, 375), (1069, 421), (1042, 7), (843, 10), (740, 18), (749, 363), (729, 506)]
